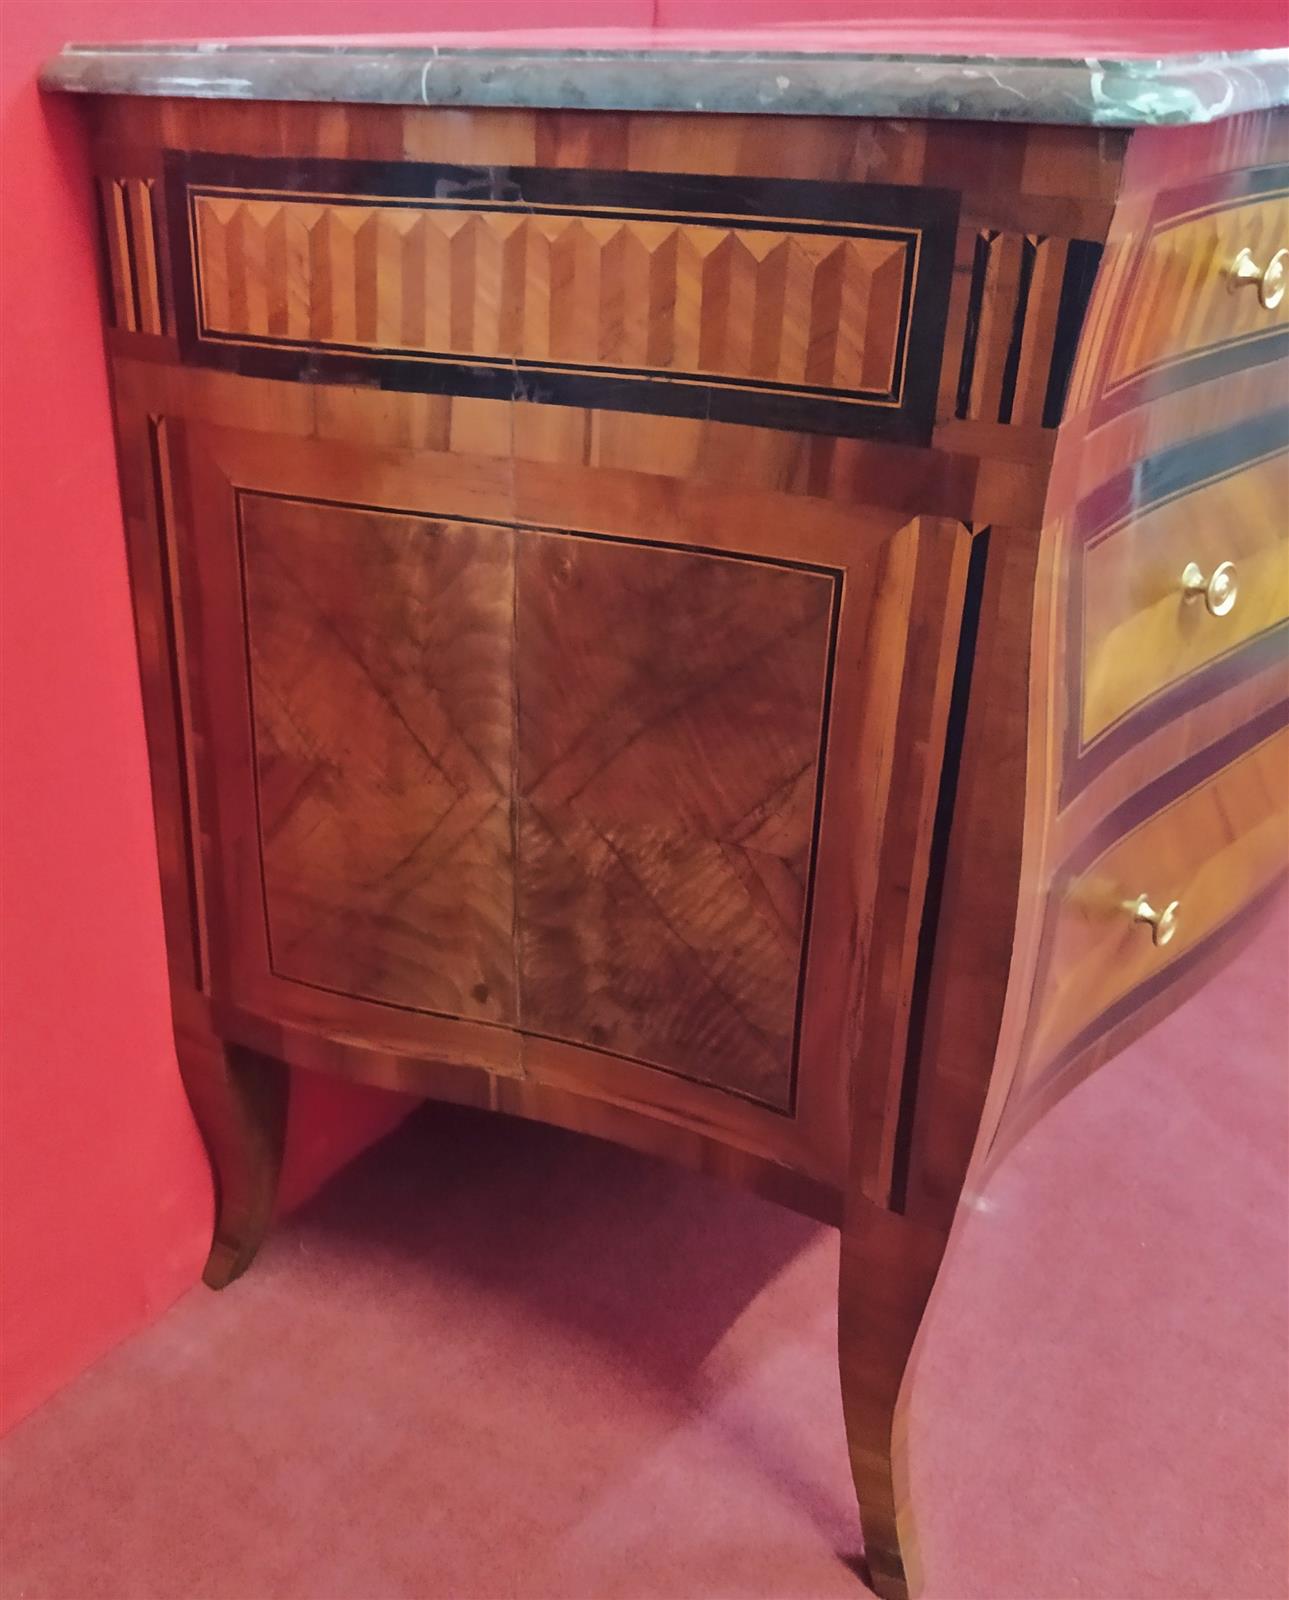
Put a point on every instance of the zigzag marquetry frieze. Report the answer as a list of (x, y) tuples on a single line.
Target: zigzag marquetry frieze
[(817, 310), (815, 304)]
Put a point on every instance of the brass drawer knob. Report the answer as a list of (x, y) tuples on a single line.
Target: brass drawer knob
[(1245, 273), (1218, 590), (1162, 924)]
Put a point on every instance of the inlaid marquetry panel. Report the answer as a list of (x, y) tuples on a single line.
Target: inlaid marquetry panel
[(562, 783), (1213, 847), (671, 710), (1140, 631), (816, 309), (1179, 304), (1025, 305), (126, 213), (380, 659), (1138, 651), (816, 303)]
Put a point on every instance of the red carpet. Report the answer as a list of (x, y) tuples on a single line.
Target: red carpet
[(496, 1361)]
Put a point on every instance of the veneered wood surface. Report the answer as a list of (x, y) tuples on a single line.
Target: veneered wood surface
[(1141, 632), (655, 869), (800, 308), (1172, 708), (382, 688), (695, 796), (1215, 849), (670, 713), (1180, 302), (586, 774)]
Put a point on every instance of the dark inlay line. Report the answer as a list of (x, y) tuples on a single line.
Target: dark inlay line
[(170, 627), (1187, 775), (1190, 368), (695, 377), (1011, 366), (1147, 716), (1081, 263), (248, 666), (165, 315), (950, 772), (971, 332), (704, 399), (1166, 474), (819, 202), (546, 527), (106, 287), (751, 223), (825, 715), (131, 264)]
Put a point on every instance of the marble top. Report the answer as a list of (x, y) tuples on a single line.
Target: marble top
[(1105, 79)]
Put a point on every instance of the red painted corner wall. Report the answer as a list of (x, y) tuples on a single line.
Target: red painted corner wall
[(104, 1190)]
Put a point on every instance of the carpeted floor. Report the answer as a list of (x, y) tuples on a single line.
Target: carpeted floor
[(494, 1360)]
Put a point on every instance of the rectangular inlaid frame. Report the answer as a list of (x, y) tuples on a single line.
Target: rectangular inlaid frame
[(1115, 393), (833, 576), (921, 221), (877, 554), (1145, 487), (1031, 1092)]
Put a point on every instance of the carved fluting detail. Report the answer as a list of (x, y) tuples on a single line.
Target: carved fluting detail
[(129, 227), (810, 309)]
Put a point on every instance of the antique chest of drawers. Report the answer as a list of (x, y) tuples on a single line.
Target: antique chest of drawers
[(735, 602)]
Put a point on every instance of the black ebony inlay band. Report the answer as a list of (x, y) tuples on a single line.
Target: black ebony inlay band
[(811, 305)]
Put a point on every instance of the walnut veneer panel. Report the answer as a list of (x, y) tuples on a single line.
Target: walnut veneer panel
[(671, 708), (381, 668), (589, 768)]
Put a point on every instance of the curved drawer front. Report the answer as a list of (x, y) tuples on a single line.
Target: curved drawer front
[(1166, 594), (1208, 852), (1186, 298)]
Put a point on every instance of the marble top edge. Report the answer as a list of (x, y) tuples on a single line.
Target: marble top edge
[(744, 75)]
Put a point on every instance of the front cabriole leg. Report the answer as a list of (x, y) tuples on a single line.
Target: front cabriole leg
[(239, 1099)]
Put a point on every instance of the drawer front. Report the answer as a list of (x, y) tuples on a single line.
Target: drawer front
[(1186, 297), (1193, 864), (807, 305), (1167, 593)]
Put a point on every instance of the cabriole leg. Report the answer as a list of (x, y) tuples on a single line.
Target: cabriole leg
[(239, 1099), (888, 1266)]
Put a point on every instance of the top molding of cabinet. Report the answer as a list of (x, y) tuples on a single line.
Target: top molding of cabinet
[(1149, 76)]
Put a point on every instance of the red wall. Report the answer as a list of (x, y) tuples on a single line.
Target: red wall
[(106, 1198)]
